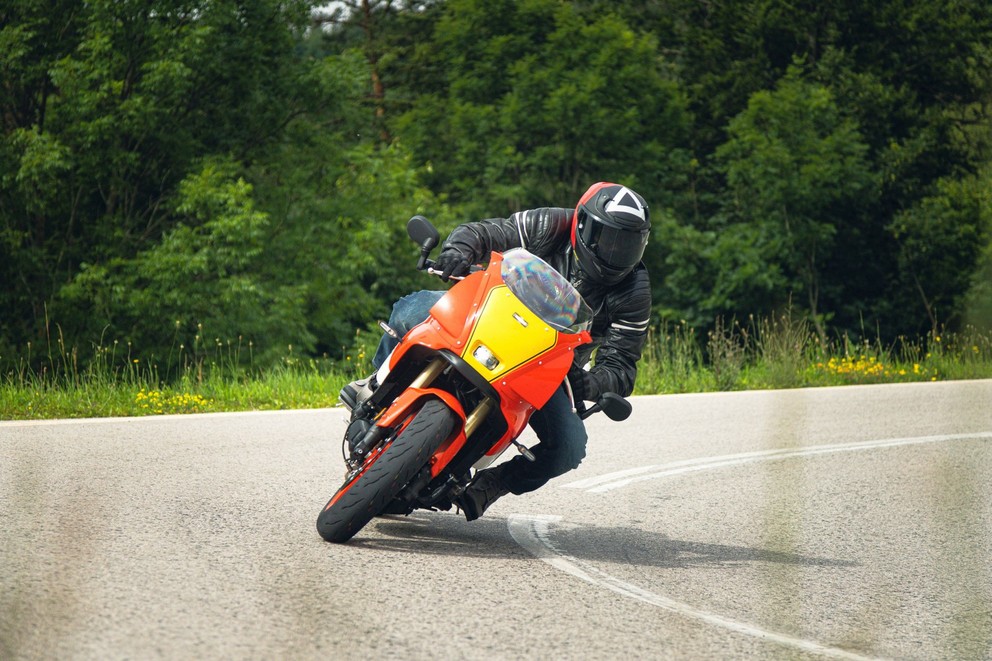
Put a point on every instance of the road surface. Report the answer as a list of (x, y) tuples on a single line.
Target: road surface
[(849, 522)]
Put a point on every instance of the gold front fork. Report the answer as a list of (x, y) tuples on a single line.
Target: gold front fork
[(476, 417), (430, 373)]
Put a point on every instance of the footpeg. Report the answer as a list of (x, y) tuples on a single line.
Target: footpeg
[(450, 483)]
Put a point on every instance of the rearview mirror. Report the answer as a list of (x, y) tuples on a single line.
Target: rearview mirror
[(423, 233), (614, 406)]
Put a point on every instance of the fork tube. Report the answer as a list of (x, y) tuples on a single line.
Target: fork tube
[(476, 417), (430, 373)]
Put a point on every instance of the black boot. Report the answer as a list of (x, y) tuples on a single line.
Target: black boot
[(356, 392), (486, 489)]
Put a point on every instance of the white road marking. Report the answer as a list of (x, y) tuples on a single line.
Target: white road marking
[(619, 479), (532, 533)]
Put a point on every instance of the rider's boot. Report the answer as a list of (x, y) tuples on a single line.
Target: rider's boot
[(356, 392), (486, 489)]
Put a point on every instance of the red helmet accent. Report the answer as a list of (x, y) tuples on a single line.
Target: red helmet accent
[(592, 190)]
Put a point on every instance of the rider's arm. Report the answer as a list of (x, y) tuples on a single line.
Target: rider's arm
[(628, 307), (538, 230)]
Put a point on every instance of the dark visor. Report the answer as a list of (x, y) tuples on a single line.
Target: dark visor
[(616, 247)]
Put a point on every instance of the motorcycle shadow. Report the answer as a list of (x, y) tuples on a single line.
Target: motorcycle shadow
[(439, 533), (446, 533), (644, 548)]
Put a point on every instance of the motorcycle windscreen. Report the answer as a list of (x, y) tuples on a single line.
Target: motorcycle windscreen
[(545, 291)]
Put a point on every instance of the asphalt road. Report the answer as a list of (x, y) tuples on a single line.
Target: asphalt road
[(830, 523)]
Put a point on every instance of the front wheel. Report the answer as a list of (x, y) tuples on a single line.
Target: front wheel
[(386, 472)]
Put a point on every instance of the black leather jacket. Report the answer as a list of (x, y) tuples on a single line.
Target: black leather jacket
[(622, 311)]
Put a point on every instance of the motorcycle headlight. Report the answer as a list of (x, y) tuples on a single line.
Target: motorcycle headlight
[(486, 357)]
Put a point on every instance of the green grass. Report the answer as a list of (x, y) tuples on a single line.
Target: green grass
[(278, 388), (761, 354), (115, 383), (786, 353)]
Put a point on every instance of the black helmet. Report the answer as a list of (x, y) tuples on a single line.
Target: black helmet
[(610, 229)]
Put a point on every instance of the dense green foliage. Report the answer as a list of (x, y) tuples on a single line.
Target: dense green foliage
[(181, 174)]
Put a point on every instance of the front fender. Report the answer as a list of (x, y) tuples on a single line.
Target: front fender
[(411, 400)]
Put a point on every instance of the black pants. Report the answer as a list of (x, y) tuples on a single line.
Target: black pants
[(563, 446)]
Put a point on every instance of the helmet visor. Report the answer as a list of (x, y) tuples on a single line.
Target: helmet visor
[(616, 247)]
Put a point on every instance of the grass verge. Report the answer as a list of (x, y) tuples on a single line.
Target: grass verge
[(765, 354)]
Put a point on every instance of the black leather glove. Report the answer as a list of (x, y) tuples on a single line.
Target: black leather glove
[(452, 262), (584, 387)]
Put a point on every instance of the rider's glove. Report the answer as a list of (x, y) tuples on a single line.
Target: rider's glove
[(584, 387), (452, 262)]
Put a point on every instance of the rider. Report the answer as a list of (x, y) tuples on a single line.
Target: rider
[(598, 246)]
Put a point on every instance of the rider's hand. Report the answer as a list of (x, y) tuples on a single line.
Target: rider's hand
[(452, 262), (584, 387)]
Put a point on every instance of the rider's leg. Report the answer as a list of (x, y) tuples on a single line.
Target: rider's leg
[(407, 313), (563, 446)]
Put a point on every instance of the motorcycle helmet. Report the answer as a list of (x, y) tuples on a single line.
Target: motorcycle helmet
[(610, 228)]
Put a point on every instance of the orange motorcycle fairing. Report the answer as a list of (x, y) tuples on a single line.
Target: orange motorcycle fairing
[(481, 310), (455, 312), (460, 388)]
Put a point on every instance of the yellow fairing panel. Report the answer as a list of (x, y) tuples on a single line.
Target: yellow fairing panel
[(510, 331)]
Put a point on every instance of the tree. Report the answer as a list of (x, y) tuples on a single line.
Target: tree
[(797, 169), (940, 243), (202, 284), (298, 249), (539, 100), (108, 106)]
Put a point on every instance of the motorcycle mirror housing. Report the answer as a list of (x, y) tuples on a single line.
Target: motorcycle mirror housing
[(614, 406), (425, 235)]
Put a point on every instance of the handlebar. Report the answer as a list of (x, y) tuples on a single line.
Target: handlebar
[(425, 235), (429, 267)]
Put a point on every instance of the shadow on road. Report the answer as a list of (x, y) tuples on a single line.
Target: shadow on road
[(652, 549), (439, 533)]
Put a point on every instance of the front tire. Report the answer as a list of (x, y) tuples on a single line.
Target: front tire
[(386, 472)]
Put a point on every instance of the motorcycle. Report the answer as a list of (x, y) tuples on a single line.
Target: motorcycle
[(460, 387)]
